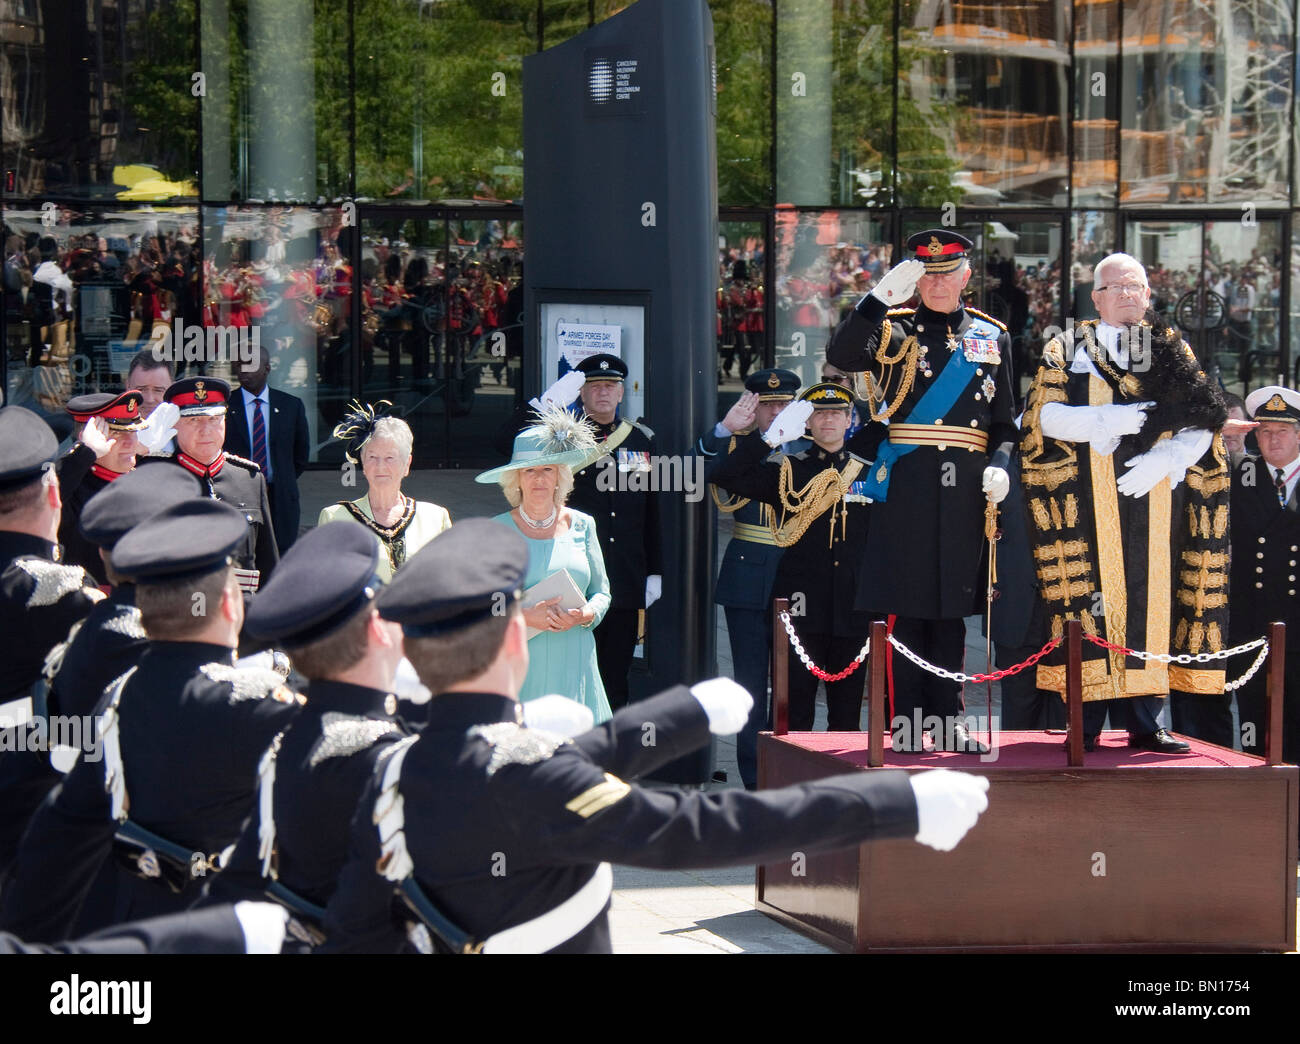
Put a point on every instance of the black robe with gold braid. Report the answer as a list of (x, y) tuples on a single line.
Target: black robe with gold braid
[(1147, 573)]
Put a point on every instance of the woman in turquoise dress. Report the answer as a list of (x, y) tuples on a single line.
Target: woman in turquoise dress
[(537, 482)]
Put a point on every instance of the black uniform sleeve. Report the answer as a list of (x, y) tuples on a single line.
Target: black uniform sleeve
[(649, 733), (66, 843), (584, 815), (212, 930), (653, 530), (301, 439), (746, 472), (853, 345), (267, 554), (73, 467)]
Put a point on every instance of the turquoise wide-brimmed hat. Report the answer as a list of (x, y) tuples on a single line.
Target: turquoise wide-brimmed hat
[(557, 438)]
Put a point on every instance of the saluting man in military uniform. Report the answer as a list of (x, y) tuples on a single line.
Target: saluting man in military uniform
[(106, 449), (182, 736), (200, 435), (40, 600), (940, 375), (1265, 579), (626, 510), (744, 588), (497, 835), (822, 525)]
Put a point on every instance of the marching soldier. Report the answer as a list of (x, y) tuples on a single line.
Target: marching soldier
[(823, 527), (626, 514), (1265, 552), (40, 600), (200, 436), (939, 375), (182, 735), (105, 450), (498, 834), (296, 842), (749, 564)]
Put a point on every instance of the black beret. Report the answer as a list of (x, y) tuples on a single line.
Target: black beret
[(321, 583), (603, 367), (773, 385), (27, 445), (189, 539), (134, 498), (462, 576)]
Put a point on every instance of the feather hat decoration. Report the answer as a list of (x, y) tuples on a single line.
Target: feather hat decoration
[(358, 424), (558, 438)]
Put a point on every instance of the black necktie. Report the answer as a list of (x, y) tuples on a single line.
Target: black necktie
[(1279, 483)]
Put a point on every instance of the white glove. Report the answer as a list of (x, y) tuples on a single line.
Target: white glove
[(159, 427), (407, 684), (560, 715), (95, 437), (562, 392), (997, 484), (1118, 421), (789, 424), (263, 925), (947, 805), (726, 703), (1145, 471), (654, 589), (899, 283)]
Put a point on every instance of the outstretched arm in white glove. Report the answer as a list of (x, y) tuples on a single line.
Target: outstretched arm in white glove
[(726, 703), (1102, 426), (789, 424), (562, 392), (160, 427), (947, 805)]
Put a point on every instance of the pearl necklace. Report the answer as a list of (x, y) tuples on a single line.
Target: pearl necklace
[(544, 523)]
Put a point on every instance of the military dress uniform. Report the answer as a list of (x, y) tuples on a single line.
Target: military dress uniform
[(924, 566), (295, 844), (1265, 577), (182, 735), (41, 599), (627, 524), (495, 825), (230, 479), (744, 587), (81, 476), (819, 570)]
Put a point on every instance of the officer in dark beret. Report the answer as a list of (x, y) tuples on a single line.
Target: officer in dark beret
[(940, 374), (626, 514), (744, 588), (40, 601), (498, 834), (296, 842), (823, 541), (182, 735), (200, 437), (106, 449)]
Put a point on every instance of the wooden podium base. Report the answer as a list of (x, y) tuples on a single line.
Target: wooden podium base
[(1133, 851)]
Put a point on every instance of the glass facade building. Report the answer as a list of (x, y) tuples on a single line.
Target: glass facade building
[(344, 181)]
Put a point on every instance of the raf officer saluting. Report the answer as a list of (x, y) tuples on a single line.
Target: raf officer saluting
[(106, 450), (749, 564), (202, 403), (296, 842), (616, 488), (499, 833), (40, 600), (940, 375), (1265, 512), (182, 735)]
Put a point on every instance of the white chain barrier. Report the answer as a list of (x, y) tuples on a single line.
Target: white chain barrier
[(806, 660)]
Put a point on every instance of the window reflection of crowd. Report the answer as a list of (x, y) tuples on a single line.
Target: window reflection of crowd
[(432, 318)]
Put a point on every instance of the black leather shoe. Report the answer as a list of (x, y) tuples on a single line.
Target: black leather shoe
[(1089, 744), (904, 741), (957, 739), (1161, 742)]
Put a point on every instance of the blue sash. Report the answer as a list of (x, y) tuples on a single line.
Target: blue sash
[(934, 404)]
